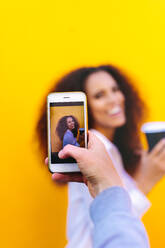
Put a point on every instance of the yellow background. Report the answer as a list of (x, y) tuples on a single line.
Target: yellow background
[(41, 40)]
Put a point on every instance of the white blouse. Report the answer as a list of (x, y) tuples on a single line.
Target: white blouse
[(79, 223)]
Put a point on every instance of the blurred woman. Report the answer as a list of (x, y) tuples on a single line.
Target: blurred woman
[(115, 113)]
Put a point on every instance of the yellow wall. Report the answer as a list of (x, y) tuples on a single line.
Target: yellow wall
[(40, 40)]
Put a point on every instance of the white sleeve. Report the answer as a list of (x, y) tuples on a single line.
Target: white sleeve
[(79, 223), (140, 203)]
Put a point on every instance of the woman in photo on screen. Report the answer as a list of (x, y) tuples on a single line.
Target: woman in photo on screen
[(67, 130), (115, 113)]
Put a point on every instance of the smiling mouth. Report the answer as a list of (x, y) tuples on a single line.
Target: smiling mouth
[(116, 110)]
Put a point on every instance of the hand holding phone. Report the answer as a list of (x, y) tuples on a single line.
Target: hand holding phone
[(67, 124)]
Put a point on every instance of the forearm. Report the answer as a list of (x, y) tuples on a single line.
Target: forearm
[(115, 224), (147, 180), (151, 168)]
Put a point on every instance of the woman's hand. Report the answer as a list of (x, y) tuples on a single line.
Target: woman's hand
[(81, 139), (152, 167)]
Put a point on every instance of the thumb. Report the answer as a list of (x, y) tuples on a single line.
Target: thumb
[(72, 151), (93, 141)]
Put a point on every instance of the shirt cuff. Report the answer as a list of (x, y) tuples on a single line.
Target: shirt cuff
[(140, 201), (111, 200)]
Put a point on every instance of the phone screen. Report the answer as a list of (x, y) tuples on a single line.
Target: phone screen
[(67, 126)]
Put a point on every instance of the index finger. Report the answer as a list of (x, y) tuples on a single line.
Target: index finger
[(72, 151), (158, 148), (69, 177), (46, 160)]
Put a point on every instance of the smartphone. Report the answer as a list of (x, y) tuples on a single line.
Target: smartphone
[(67, 124)]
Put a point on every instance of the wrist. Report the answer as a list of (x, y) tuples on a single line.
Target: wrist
[(108, 184), (146, 182)]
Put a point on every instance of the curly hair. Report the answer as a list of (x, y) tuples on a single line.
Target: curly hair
[(62, 126), (127, 137)]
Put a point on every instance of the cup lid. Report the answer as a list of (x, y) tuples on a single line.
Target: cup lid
[(153, 127)]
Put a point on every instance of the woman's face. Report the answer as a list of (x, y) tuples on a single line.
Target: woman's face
[(70, 123), (106, 101)]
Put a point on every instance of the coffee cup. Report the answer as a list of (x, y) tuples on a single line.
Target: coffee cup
[(154, 132), (81, 130)]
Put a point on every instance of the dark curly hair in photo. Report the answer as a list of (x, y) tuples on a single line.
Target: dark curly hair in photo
[(62, 126), (127, 137)]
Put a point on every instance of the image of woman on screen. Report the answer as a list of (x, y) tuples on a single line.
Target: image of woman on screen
[(67, 130)]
